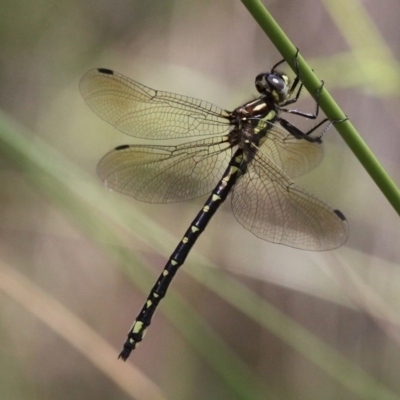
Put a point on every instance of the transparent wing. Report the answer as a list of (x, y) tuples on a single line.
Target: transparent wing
[(294, 157), (267, 203), (165, 174), (146, 113)]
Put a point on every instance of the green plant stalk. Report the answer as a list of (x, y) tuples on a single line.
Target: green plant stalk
[(327, 104)]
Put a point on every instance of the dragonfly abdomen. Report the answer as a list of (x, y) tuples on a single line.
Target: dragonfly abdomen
[(178, 257)]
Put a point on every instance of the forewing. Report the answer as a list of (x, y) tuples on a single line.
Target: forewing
[(267, 203), (145, 113), (165, 174)]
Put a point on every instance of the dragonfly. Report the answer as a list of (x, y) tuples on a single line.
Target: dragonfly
[(252, 153)]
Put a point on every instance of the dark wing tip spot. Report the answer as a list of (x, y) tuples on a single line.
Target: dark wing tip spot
[(105, 71), (122, 147), (340, 215)]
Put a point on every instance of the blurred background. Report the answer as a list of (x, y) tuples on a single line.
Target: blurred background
[(244, 319)]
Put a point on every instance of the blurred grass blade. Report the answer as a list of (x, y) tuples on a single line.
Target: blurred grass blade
[(310, 346), (78, 334), (371, 55)]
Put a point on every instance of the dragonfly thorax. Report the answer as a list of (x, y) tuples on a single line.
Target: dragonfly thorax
[(250, 121), (261, 108)]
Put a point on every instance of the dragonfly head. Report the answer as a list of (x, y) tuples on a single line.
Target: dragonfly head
[(273, 84)]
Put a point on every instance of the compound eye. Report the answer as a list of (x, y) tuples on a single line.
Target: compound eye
[(276, 82)]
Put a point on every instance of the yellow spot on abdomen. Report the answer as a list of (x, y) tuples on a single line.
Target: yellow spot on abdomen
[(137, 327)]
